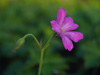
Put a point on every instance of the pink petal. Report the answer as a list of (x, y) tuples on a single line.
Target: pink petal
[(69, 25), (55, 26), (68, 20), (61, 16), (67, 43), (75, 36)]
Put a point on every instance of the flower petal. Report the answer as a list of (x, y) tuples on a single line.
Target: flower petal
[(68, 20), (67, 43), (61, 16), (75, 36), (55, 26), (69, 25)]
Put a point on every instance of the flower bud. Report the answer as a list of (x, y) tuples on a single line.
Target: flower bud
[(19, 43)]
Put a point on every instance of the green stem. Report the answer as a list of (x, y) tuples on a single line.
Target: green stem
[(42, 52), (41, 61), (42, 49), (34, 39), (21, 41), (47, 44)]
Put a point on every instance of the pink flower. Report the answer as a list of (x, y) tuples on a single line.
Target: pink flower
[(64, 26)]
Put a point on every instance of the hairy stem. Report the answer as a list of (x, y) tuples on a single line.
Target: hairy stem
[(41, 61), (21, 41), (42, 52)]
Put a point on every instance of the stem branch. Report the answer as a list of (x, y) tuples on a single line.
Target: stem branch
[(42, 52), (34, 39), (42, 49), (47, 44)]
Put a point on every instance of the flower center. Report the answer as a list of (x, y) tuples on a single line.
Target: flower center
[(62, 30)]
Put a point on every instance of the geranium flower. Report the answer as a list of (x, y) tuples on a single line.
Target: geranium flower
[(64, 26)]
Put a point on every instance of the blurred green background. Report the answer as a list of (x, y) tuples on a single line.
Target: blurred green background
[(19, 17)]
